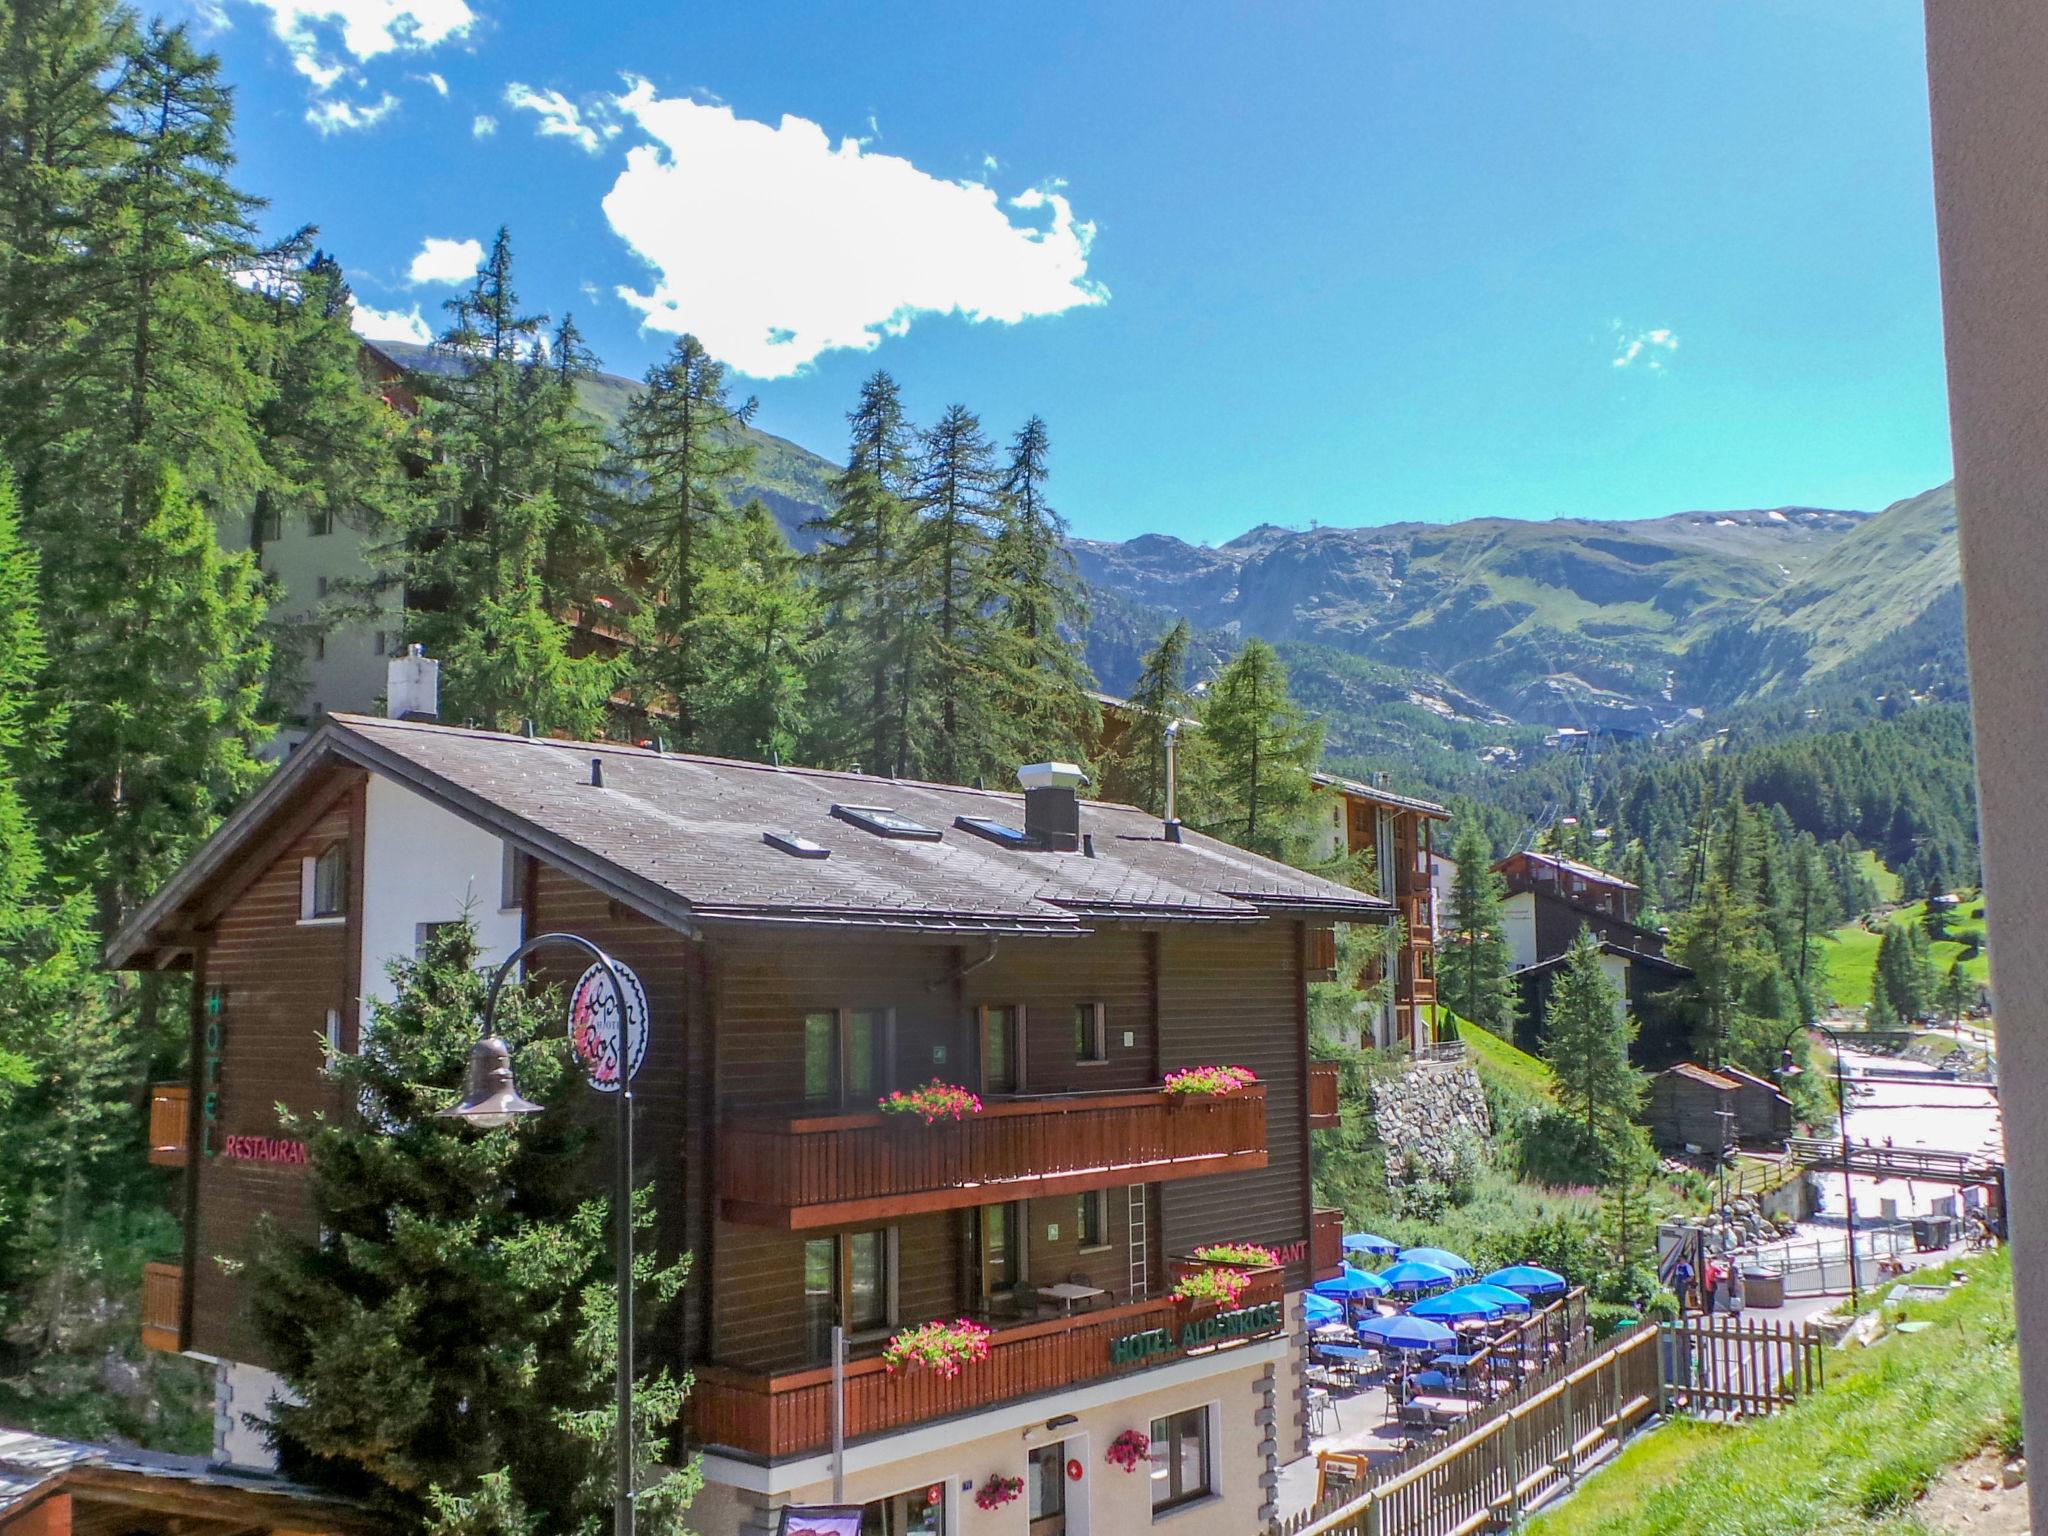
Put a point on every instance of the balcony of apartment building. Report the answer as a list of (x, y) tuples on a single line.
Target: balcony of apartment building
[(773, 1414), (821, 1170)]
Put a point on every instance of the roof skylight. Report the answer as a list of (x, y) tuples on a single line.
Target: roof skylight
[(994, 831), (796, 847), (884, 822)]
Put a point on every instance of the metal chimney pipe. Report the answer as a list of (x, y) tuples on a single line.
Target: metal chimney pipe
[(1172, 788)]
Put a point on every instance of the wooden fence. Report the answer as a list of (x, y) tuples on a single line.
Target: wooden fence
[(1740, 1370), (1546, 1433)]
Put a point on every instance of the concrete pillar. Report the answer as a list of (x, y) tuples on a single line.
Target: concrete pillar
[(1987, 69)]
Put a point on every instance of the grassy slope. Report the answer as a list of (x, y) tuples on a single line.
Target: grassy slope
[(1850, 954), (1500, 1059), (1852, 1457)]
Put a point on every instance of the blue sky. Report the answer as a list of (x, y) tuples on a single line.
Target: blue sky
[(1348, 263)]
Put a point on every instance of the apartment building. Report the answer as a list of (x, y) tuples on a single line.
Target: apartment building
[(805, 942)]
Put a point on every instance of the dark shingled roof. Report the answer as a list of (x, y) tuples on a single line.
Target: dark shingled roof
[(680, 837), (1381, 796)]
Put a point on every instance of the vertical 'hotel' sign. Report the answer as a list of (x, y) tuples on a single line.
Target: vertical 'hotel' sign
[(214, 1012)]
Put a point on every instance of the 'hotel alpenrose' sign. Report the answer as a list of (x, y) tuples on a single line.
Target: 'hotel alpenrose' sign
[(1224, 1327)]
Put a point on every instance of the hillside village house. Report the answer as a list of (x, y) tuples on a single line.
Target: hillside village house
[(806, 941), (1348, 817), (1549, 899)]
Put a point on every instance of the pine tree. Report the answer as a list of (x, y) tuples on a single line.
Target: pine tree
[(1473, 957), (863, 564), (1718, 940), (1039, 607), (954, 497), (762, 621), (1258, 749), (1586, 1036), (1956, 992), (682, 437), (446, 1322), (1135, 770)]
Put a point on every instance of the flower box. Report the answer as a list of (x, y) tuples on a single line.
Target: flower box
[(941, 1348), (934, 1102), (1208, 1082)]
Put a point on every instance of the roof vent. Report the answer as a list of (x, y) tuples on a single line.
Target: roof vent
[(796, 847), (1052, 805), (597, 773)]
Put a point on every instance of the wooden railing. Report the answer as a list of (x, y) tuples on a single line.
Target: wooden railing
[(169, 1124), (829, 1169), (1824, 1154), (790, 1414), (163, 1307), (1325, 1244), (1322, 1096)]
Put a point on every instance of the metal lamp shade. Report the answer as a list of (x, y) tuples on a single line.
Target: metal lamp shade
[(491, 1098)]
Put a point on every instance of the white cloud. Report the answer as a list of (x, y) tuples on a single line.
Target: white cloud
[(336, 114), (390, 324), (319, 33), (446, 261), (824, 247), (560, 117), (483, 125), (433, 78), (1651, 348)]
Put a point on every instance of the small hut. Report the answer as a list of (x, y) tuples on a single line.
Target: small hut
[(1693, 1109), (1763, 1115)]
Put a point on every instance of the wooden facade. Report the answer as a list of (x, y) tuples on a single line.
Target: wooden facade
[(1691, 1106), (1397, 831), (1096, 1176), (1323, 1113)]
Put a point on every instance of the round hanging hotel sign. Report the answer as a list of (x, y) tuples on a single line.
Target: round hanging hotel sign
[(594, 1026)]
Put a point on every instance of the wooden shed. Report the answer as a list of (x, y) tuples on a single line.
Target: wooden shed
[(1692, 1108), (1763, 1115)]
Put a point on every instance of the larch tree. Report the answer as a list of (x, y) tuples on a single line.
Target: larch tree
[(955, 499), (1586, 1037), (683, 441), (1717, 939), (1258, 749), (1135, 770), (761, 629), (863, 565), (1473, 958)]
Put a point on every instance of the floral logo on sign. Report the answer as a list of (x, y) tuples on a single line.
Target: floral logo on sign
[(594, 1026)]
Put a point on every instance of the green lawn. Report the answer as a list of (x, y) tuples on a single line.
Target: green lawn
[(1850, 954), (1852, 1457), (1495, 1057), (1887, 883)]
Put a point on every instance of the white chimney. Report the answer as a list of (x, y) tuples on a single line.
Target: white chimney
[(1052, 808), (412, 686)]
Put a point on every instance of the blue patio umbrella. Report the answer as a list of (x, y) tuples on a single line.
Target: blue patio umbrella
[(1350, 1282), (1530, 1280), (1415, 1275), (1318, 1310), (1368, 1242), (1460, 1268), (1405, 1332), (1456, 1307), (1470, 1301)]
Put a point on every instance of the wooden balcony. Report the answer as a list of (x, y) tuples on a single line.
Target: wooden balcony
[(825, 1170), (163, 1307), (1322, 1096), (169, 1124), (790, 1414), (1325, 1244)]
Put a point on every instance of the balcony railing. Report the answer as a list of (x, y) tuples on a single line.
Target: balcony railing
[(163, 1307), (169, 1122), (778, 1416), (829, 1169), (1325, 1244), (1322, 1096)]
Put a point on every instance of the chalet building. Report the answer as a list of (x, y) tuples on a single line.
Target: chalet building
[(1693, 1109), (1348, 817), (1549, 899), (806, 941)]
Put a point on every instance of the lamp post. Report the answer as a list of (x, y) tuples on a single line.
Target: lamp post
[(1848, 1189), (492, 1099)]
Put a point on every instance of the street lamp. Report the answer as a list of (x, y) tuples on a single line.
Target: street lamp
[(491, 1100), (1848, 1189)]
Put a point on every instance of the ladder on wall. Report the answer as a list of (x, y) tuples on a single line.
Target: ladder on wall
[(1141, 1269)]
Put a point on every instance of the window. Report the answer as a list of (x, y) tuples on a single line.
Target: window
[(512, 866), (1047, 1483), (884, 822), (320, 522), (1180, 1459), (995, 831), (846, 1057), (849, 1280), (380, 643), (1093, 1222), (320, 585), (319, 647), (269, 522), (1091, 1032), (323, 885), (423, 934), (921, 1512), (1003, 1236), (1002, 1029)]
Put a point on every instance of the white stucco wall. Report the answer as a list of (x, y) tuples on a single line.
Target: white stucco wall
[(1518, 927), (1617, 970), (423, 864), (240, 1391)]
